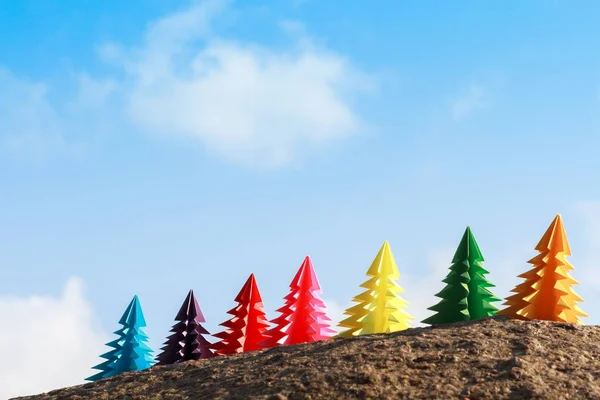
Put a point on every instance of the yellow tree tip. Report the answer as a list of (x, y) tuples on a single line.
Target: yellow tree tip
[(384, 263)]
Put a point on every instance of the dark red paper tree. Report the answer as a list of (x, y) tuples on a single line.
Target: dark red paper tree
[(303, 318), (187, 341), (247, 328)]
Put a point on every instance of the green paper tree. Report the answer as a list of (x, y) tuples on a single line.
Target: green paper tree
[(466, 295)]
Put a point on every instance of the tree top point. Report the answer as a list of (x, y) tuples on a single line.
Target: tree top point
[(555, 238)]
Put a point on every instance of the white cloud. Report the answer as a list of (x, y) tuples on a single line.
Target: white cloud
[(474, 100), (248, 103), (420, 291), (335, 311), (93, 93), (47, 342)]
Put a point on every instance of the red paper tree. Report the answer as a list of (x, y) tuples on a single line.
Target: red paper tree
[(247, 328), (303, 318)]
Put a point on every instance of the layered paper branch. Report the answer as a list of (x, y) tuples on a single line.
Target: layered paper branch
[(302, 318), (466, 295), (546, 292), (379, 308), (247, 328)]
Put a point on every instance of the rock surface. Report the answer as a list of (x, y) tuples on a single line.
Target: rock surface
[(493, 358)]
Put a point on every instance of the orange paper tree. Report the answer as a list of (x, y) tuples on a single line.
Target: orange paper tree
[(546, 293), (247, 328)]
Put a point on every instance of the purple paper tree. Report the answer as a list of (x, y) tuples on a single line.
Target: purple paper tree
[(187, 341)]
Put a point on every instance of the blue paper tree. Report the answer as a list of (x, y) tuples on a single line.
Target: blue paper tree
[(130, 351)]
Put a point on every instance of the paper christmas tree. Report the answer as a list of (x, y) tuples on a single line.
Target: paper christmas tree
[(130, 351), (379, 308), (546, 292), (111, 356), (466, 295), (303, 318), (187, 341), (247, 328)]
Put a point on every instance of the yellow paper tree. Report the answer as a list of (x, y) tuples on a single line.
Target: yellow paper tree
[(379, 308), (546, 293)]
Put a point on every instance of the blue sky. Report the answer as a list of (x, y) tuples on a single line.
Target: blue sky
[(150, 147)]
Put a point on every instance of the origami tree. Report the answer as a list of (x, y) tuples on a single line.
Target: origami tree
[(379, 308), (112, 356), (303, 318), (130, 351), (247, 328), (546, 292), (187, 341), (466, 295)]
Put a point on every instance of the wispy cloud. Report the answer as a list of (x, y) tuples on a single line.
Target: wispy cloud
[(29, 125), (420, 290), (473, 100), (335, 311), (93, 93), (248, 103)]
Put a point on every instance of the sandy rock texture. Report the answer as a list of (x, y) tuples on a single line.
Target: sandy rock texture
[(493, 358)]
